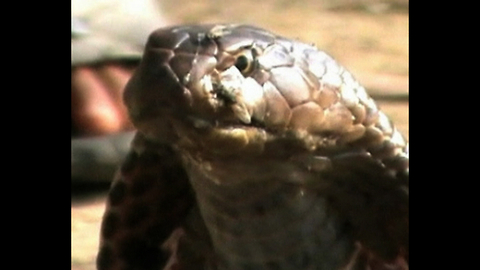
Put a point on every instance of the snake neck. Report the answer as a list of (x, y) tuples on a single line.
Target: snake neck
[(261, 218)]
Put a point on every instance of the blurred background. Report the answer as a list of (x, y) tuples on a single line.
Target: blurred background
[(368, 37)]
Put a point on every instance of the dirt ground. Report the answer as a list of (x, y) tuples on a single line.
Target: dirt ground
[(369, 37)]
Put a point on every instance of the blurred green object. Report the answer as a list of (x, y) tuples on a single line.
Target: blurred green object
[(95, 160)]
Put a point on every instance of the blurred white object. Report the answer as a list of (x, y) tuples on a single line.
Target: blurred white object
[(112, 29)]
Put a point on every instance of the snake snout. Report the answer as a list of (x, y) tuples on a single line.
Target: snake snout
[(155, 90)]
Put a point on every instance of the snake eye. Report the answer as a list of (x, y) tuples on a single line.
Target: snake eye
[(245, 62)]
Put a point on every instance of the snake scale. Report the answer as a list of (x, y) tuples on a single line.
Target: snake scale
[(254, 151)]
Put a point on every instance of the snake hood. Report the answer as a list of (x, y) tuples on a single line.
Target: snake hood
[(263, 152)]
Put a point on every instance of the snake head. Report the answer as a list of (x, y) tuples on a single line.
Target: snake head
[(234, 86), (260, 122)]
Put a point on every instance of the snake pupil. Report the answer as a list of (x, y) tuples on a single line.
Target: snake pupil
[(242, 63)]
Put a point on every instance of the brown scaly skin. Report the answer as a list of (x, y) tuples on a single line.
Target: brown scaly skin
[(254, 152)]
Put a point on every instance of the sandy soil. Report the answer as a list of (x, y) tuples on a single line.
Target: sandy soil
[(367, 37)]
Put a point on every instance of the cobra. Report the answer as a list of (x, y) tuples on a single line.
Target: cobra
[(254, 151)]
